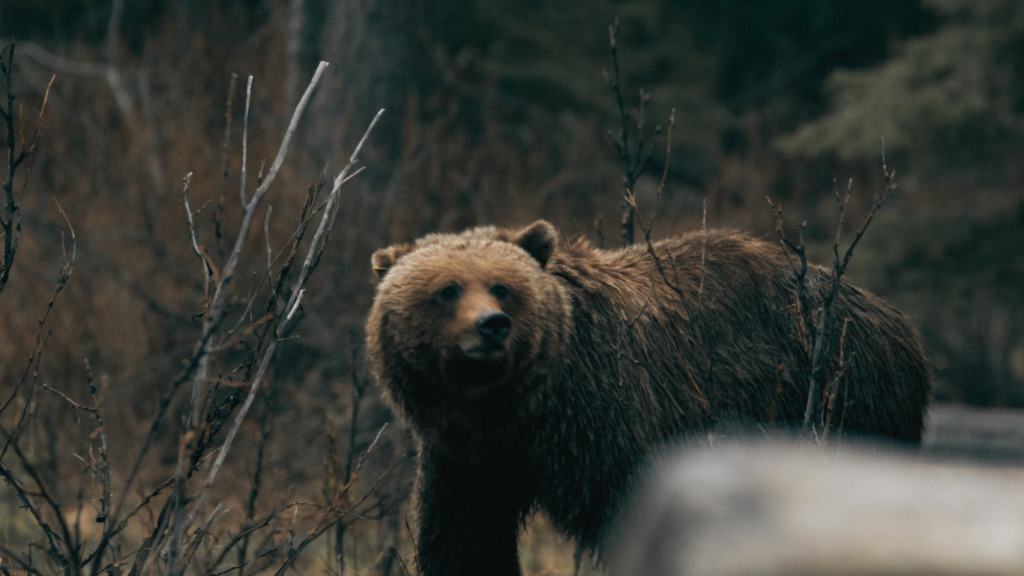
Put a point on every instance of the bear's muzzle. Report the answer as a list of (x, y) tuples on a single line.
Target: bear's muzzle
[(486, 340), (494, 327)]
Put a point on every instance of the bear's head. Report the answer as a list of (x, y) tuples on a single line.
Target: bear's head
[(457, 316)]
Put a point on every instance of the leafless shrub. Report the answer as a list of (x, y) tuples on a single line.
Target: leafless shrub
[(635, 158), (813, 324), (169, 527), (38, 500)]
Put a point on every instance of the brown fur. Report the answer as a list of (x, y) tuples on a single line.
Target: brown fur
[(603, 361)]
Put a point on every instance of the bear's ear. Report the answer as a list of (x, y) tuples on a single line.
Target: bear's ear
[(538, 239), (385, 258)]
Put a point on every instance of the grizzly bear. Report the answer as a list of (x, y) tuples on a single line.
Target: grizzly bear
[(538, 372)]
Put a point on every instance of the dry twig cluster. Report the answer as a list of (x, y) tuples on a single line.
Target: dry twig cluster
[(170, 527), (635, 158), (10, 216), (813, 324)]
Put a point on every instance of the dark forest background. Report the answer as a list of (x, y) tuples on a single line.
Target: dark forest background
[(497, 113)]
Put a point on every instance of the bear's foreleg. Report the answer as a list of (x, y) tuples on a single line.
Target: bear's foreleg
[(469, 516)]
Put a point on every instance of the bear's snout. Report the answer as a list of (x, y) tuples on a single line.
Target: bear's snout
[(494, 326)]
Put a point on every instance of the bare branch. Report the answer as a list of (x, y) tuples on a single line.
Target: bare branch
[(415, 547), (207, 266), (266, 236), (67, 266), (239, 566), (106, 501), (245, 138), (73, 404), (801, 308), (813, 413), (703, 253), (315, 248), (123, 522), (218, 214), (333, 513), (10, 216), (326, 221), (228, 123), (217, 304), (56, 545)]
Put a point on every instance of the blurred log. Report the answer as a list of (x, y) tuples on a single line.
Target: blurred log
[(965, 432), (778, 508)]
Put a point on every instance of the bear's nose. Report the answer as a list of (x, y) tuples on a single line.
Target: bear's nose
[(494, 325)]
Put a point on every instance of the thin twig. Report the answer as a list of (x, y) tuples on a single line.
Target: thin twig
[(73, 404), (56, 549), (703, 253), (67, 267), (194, 241), (405, 569), (197, 538), (332, 514), (633, 163), (225, 162), (153, 540), (351, 510), (245, 138), (239, 566), (415, 547), (242, 536), (833, 386), (250, 513), (11, 224), (66, 554), (266, 236), (801, 308)]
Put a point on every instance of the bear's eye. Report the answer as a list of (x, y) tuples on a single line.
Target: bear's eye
[(500, 291), (449, 293)]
